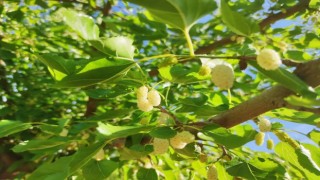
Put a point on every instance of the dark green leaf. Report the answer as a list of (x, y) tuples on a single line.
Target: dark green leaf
[(247, 170), (163, 132), (8, 127), (144, 174), (96, 170), (288, 80), (180, 74), (305, 159), (237, 22), (58, 63), (194, 101), (36, 145), (97, 71), (109, 115), (181, 14)]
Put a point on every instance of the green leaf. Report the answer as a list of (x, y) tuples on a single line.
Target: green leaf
[(66, 166), (149, 174), (116, 46), (195, 101), (288, 80), (298, 55), (233, 138), (315, 136), (101, 70), (8, 127), (112, 132), (163, 132), (301, 101), (84, 155), (180, 74), (222, 173), (315, 153), (247, 170), (204, 111), (43, 144), (237, 22), (82, 24), (95, 170), (109, 115), (305, 159), (295, 158), (52, 171), (58, 63), (181, 14)]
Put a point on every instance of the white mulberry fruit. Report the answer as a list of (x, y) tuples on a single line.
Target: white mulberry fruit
[(269, 59), (212, 173), (144, 105), (180, 140), (222, 75), (160, 146), (259, 138), (264, 125), (142, 93), (154, 97), (270, 144)]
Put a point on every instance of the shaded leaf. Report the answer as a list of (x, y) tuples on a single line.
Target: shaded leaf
[(8, 127), (36, 145), (95, 170), (301, 101), (149, 174), (315, 136), (97, 71), (247, 170)]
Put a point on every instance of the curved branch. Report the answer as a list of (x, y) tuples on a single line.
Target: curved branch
[(268, 100), (300, 7)]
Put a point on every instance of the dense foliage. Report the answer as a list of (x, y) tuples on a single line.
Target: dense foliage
[(165, 89)]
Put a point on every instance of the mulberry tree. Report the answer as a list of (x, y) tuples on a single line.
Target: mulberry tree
[(164, 89)]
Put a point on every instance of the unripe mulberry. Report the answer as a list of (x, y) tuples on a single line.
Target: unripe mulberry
[(144, 105), (222, 75), (180, 140), (270, 144), (154, 98), (204, 70), (160, 146), (187, 137), (269, 59), (264, 125), (142, 93), (259, 138), (212, 173)]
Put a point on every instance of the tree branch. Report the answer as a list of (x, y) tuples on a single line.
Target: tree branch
[(268, 100), (300, 7)]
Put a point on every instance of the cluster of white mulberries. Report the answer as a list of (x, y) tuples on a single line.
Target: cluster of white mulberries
[(264, 126), (269, 59), (222, 74), (147, 99), (181, 139)]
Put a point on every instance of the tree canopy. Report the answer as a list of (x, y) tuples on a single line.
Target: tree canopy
[(166, 89)]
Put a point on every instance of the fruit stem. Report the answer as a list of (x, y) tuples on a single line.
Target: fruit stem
[(189, 41)]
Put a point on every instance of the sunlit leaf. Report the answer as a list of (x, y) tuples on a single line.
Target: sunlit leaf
[(95, 170)]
